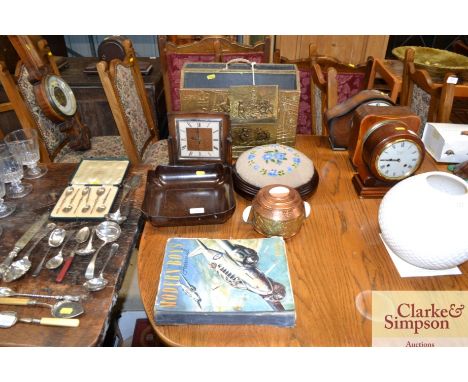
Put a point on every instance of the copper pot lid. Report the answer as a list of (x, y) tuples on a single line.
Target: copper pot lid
[(278, 197)]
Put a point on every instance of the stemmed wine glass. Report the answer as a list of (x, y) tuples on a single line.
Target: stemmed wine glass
[(12, 172), (5, 208), (24, 145)]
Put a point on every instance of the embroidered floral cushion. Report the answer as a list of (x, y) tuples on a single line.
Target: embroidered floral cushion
[(274, 164)]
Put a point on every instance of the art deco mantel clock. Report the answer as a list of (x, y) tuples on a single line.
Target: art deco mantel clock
[(384, 147), (196, 138)]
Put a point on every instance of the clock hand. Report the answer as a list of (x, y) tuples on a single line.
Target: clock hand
[(391, 160)]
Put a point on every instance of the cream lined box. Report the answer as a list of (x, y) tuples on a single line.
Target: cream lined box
[(92, 190)]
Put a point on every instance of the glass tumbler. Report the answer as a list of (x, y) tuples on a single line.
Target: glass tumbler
[(24, 145), (11, 171), (6, 209)]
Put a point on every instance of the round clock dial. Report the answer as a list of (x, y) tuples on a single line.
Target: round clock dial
[(398, 160), (60, 95), (55, 97), (392, 152)]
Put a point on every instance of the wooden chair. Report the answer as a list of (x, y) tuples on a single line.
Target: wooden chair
[(388, 82), (334, 82), (55, 144), (124, 88), (431, 101), (208, 49)]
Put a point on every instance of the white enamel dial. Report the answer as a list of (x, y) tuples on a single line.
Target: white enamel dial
[(199, 139), (61, 95), (399, 159)]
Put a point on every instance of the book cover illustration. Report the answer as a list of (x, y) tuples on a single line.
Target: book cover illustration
[(216, 281)]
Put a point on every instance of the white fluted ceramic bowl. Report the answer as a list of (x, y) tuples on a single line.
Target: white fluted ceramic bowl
[(424, 220)]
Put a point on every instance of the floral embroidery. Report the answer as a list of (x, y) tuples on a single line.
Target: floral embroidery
[(273, 160), (274, 156)]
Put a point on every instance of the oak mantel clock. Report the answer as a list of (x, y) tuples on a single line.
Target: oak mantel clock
[(384, 148), (196, 138)]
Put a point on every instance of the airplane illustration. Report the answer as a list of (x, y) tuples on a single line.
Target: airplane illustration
[(190, 291), (237, 266)]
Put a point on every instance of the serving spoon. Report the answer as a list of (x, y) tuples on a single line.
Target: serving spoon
[(8, 292), (97, 283), (20, 267), (55, 240)]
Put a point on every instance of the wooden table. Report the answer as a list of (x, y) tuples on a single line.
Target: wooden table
[(98, 305), (336, 255)]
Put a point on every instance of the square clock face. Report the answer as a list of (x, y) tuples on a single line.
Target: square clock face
[(199, 137)]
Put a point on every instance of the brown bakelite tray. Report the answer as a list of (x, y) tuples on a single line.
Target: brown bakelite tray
[(189, 195)]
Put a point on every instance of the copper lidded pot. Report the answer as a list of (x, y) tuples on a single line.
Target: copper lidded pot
[(277, 210)]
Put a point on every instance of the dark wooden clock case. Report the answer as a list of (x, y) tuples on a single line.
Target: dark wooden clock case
[(340, 117), (365, 117), (225, 140), (190, 191)]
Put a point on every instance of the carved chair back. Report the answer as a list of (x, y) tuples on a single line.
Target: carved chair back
[(208, 49), (333, 82), (124, 88), (429, 100)]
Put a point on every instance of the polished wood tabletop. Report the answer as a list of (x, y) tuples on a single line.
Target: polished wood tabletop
[(97, 305), (336, 256)]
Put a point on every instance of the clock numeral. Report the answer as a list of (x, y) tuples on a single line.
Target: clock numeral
[(190, 153), (215, 140), (402, 144), (183, 139), (215, 131), (209, 153), (198, 124), (215, 147), (413, 160), (184, 147)]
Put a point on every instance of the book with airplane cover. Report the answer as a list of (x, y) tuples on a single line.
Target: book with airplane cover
[(217, 281)]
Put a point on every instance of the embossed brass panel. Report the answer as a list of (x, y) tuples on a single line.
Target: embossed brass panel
[(253, 103), (253, 134), (260, 114)]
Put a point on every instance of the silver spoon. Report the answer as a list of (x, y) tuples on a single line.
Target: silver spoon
[(70, 205), (10, 318), (100, 191), (20, 267), (84, 192), (57, 260), (89, 247), (80, 237), (103, 206), (7, 292), (87, 206), (55, 240), (108, 232), (61, 309), (132, 184), (68, 191), (98, 283)]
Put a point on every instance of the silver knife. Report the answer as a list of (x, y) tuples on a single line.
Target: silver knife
[(21, 243)]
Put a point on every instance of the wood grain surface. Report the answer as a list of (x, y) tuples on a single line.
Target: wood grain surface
[(98, 305), (336, 256)]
